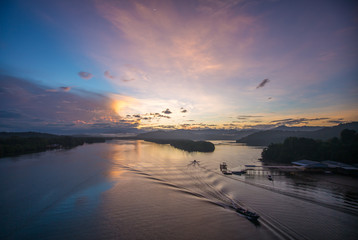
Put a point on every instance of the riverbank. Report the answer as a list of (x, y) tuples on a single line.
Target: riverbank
[(19, 143)]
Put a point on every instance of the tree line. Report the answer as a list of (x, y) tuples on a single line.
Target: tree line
[(186, 145), (17, 144), (343, 149)]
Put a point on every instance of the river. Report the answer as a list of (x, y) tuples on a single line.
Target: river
[(140, 190)]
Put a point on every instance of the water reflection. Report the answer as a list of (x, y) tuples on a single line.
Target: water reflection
[(142, 190)]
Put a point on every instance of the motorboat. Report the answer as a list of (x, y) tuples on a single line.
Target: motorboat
[(250, 215)]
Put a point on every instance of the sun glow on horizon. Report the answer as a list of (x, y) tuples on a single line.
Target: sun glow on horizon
[(118, 65)]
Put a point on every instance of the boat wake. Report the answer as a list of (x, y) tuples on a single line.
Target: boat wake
[(194, 181), (350, 211)]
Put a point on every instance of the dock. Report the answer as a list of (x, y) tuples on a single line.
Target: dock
[(266, 170)]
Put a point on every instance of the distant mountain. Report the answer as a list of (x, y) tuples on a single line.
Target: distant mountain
[(304, 128), (264, 138), (330, 132), (209, 134), (26, 134)]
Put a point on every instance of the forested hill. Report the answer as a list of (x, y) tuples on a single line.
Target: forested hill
[(17, 143), (343, 149), (186, 145), (264, 138)]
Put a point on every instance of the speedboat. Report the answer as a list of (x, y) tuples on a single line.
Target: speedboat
[(250, 215)]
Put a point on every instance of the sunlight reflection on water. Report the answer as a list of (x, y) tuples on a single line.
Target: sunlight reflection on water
[(142, 190)]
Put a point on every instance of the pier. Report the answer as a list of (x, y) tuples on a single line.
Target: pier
[(267, 170)]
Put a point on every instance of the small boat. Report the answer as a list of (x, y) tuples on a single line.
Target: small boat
[(250, 215), (224, 170), (194, 163)]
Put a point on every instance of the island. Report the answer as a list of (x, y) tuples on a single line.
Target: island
[(186, 145)]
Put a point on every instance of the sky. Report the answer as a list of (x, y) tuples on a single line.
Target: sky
[(111, 66)]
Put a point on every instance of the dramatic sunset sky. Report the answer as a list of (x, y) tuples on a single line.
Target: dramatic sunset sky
[(116, 66)]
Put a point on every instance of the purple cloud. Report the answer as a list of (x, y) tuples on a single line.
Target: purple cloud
[(85, 75), (244, 117), (263, 83), (33, 107), (108, 75), (292, 121), (147, 116), (127, 80), (66, 89), (51, 90), (167, 111)]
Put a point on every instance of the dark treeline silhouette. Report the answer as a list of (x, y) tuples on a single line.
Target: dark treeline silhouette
[(187, 145), (12, 144), (343, 149), (197, 135)]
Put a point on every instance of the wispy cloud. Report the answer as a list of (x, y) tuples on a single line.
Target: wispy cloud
[(293, 121), (167, 111), (66, 89), (127, 79), (146, 117), (51, 90), (108, 75), (244, 117), (55, 111), (85, 75), (169, 46), (337, 121), (263, 83)]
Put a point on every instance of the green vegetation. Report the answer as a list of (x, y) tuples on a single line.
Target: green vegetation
[(344, 149), (187, 145), (12, 144)]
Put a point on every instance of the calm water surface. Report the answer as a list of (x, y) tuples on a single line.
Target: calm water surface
[(142, 190)]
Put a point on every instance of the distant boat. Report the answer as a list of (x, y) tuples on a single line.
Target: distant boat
[(224, 170), (193, 163)]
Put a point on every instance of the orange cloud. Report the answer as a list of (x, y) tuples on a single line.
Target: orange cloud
[(66, 89), (123, 105)]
